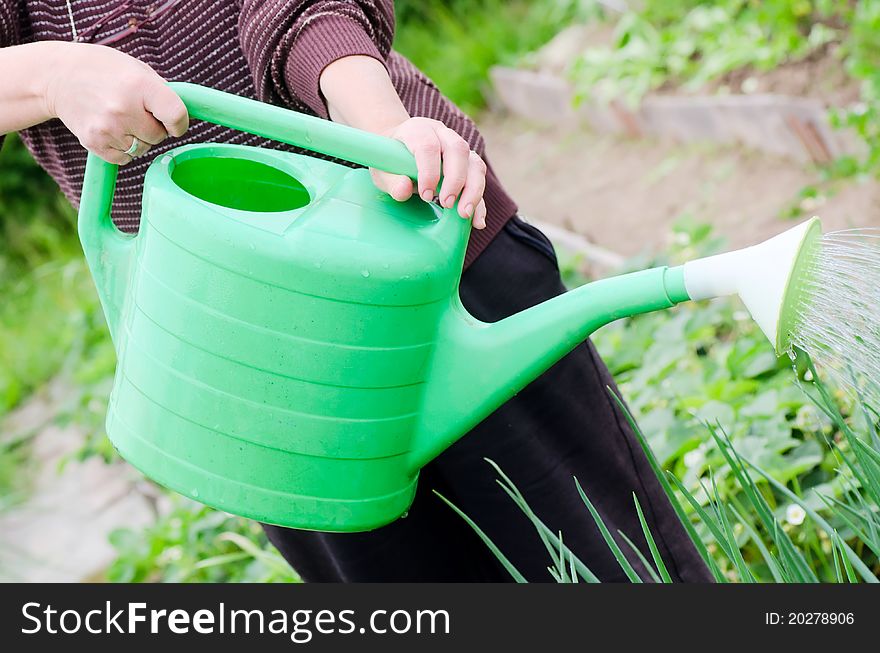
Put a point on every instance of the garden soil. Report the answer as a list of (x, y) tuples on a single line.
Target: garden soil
[(626, 195)]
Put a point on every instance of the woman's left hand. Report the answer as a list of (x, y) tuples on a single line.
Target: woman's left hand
[(437, 148)]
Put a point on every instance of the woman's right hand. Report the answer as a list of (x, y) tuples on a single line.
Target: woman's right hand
[(107, 99)]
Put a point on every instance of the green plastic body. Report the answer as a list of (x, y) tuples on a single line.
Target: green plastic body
[(291, 345)]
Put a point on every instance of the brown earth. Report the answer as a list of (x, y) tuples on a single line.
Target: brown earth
[(625, 195), (821, 75)]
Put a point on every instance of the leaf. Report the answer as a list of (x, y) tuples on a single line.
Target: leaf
[(513, 571), (652, 545), (664, 483), (551, 542), (640, 556), (609, 540), (853, 557)]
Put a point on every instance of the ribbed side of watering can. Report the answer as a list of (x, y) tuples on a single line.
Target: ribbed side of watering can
[(282, 388)]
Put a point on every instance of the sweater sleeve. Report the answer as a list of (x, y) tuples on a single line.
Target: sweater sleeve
[(288, 43), (10, 18)]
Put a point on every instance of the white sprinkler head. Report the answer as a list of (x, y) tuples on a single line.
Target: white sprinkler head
[(767, 277)]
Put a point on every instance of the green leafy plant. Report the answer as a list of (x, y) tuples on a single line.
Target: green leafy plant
[(193, 543), (850, 527), (709, 364), (670, 43), (692, 43), (13, 479)]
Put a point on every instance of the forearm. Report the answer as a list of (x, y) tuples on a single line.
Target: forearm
[(23, 81), (359, 93)]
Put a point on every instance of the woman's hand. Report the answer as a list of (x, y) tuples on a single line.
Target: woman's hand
[(435, 148), (359, 93), (108, 99)]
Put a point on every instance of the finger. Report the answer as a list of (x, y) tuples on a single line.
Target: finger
[(114, 139), (473, 187), (124, 144), (167, 108), (148, 129), (456, 155), (480, 215), (427, 154), (112, 155), (140, 149), (398, 186)]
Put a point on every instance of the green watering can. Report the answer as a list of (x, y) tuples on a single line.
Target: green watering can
[(291, 344)]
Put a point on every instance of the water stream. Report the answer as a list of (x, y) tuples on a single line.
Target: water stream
[(838, 320)]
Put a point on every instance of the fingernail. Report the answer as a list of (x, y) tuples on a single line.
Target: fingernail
[(449, 201), (427, 195), (469, 210)]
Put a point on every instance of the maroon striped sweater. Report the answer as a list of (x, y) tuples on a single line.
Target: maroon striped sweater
[(272, 50)]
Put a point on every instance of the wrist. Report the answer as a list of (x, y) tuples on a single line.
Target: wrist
[(54, 57), (359, 93)]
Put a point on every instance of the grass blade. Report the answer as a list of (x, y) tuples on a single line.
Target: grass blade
[(790, 554), (641, 557), (851, 555), (507, 564), (664, 483), (609, 540), (652, 545), (551, 542), (769, 558)]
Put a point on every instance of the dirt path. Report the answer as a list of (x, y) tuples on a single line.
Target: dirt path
[(60, 531), (625, 195)]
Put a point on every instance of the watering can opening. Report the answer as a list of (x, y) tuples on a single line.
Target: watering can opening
[(240, 183)]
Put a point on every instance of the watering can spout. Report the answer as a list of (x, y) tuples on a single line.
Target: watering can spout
[(478, 366), (107, 250), (767, 277)]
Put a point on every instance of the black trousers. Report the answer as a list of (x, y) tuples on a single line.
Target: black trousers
[(563, 425)]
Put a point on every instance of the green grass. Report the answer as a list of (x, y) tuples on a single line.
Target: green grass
[(193, 543), (455, 43)]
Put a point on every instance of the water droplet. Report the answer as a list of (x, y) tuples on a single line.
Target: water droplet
[(252, 246), (365, 273), (195, 493), (385, 266)]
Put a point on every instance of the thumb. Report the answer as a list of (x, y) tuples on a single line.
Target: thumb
[(398, 186)]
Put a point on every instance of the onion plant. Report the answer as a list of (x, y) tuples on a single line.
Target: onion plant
[(848, 520)]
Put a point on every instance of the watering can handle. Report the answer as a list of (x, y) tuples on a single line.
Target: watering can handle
[(266, 120), (294, 128)]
